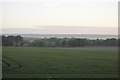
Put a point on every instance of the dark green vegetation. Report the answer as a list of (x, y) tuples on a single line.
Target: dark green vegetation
[(15, 41), (18, 41), (86, 62)]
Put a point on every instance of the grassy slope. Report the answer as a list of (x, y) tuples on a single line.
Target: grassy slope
[(60, 62)]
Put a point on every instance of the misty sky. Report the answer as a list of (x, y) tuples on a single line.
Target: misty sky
[(60, 16)]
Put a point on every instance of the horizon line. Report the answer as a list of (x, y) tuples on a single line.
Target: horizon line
[(53, 34)]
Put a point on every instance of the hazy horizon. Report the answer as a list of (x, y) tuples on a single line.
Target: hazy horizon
[(62, 30)]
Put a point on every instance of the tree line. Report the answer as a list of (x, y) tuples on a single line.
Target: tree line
[(15, 41), (18, 41)]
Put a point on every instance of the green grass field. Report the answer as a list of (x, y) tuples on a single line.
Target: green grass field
[(26, 62)]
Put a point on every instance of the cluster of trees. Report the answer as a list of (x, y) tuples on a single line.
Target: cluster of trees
[(72, 42), (57, 42), (12, 41), (0, 41)]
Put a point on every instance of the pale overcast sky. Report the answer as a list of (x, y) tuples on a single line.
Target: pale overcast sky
[(60, 16)]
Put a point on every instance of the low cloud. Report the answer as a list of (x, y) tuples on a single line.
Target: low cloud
[(62, 30)]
